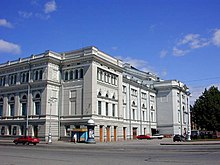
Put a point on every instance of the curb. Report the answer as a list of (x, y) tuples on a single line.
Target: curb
[(192, 143)]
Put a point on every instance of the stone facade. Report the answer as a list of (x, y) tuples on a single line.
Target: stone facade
[(60, 92)]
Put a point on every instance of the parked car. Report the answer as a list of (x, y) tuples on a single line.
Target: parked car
[(178, 138), (27, 140), (140, 137), (157, 136)]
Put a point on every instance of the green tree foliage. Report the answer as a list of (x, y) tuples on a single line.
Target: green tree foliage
[(206, 110)]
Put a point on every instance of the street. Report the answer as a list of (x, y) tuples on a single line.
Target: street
[(144, 152)]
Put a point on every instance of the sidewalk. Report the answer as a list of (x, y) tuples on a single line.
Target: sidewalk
[(165, 141), (214, 142)]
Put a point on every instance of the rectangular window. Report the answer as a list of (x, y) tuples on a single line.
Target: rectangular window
[(133, 114), (37, 108), (99, 107), (67, 130), (12, 110), (106, 108), (24, 109), (179, 116), (152, 116), (143, 116), (113, 109), (1, 110)]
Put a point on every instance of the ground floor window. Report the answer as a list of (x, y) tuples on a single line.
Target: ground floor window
[(67, 130), (3, 131)]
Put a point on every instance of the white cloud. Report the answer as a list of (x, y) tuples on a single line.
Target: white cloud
[(25, 14), (50, 7), (179, 52), (5, 23), (188, 43), (8, 47), (135, 62), (139, 64), (216, 38), (163, 53), (193, 41)]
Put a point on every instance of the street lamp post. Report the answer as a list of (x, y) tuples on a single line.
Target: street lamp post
[(51, 101), (28, 99)]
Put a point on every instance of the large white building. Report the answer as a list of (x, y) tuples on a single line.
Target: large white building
[(60, 92)]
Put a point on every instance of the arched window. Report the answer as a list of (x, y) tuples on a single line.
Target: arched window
[(143, 106), (106, 95), (24, 105), (24, 97), (37, 104), (99, 94), (113, 97), (133, 103)]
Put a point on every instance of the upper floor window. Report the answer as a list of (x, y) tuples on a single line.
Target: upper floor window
[(106, 77), (37, 104), (81, 73), (38, 74), (76, 74), (134, 92), (1, 109), (24, 105), (12, 79), (2, 81), (11, 102), (113, 110), (99, 107), (71, 75), (124, 89), (66, 77), (24, 77)]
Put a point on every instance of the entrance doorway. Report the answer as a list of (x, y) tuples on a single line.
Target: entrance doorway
[(134, 133), (124, 133), (101, 133), (115, 133), (108, 134)]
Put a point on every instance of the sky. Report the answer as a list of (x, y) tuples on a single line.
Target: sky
[(175, 39)]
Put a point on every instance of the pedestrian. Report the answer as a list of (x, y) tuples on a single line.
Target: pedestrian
[(74, 138)]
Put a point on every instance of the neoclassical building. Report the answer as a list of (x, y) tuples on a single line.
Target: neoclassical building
[(58, 93)]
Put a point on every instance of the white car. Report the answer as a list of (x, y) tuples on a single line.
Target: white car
[(157, 136)]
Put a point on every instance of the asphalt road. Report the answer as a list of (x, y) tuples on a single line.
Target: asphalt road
[(121, 153)]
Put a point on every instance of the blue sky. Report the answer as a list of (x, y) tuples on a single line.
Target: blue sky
[(176, 39)]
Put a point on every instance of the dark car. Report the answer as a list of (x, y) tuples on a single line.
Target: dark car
[(140, 137), (178, 138), (27, 140)]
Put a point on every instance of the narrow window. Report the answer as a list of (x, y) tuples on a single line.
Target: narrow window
[(99, 107)]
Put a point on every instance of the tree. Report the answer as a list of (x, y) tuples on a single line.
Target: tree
[(206, 110)]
